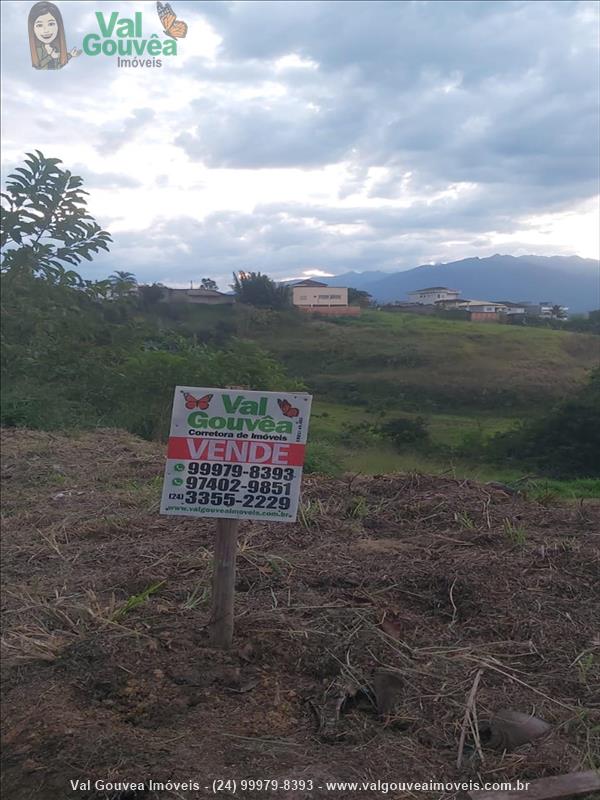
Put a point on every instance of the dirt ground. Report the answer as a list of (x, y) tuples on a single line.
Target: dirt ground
[(361, 631)]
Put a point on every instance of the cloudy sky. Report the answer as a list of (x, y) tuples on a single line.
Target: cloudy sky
[(320, 137)]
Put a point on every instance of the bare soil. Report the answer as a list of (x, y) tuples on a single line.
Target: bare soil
[(408, 585)]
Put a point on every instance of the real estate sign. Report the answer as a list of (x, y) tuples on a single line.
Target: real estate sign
[(235, 454)]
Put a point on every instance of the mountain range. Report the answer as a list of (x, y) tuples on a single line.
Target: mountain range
[(570, 281)]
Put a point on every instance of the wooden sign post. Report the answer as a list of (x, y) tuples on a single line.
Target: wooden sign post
[(234, 454), (220, 625)]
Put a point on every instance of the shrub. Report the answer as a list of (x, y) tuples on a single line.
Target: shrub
[(321, 458), (361, 434), (565, 443), (403, 431), (256, 289)]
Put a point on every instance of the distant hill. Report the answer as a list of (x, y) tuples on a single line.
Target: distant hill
[(569, 280), (358, 280)]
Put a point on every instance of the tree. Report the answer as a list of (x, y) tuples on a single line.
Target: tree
[(591, 324), (259, 290), (53, 326), (122, 283), (208, 283), (99, 290), (558, 312), (357, 297), (565, 442), (45, 224), (151, 295), (405, 431)]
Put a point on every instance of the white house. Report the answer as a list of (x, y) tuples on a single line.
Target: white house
[(548, 309), (314, 297), (318, 295), (433, 295)]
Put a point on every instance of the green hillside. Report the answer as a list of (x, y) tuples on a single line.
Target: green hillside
[(410, 362), (467, 381), (392, 391)]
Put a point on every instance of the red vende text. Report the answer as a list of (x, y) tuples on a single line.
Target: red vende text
[(236, 451)]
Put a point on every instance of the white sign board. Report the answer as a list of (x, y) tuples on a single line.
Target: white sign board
[(236, 454)]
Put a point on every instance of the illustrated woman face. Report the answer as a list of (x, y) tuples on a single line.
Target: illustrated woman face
[(46, 28)]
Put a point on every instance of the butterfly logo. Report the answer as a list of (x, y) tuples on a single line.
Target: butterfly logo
[(174, 27), (288, 409), (191, 402)]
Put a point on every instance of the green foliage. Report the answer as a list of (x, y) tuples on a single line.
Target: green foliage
[(548, 489), (45, 223), (196, 597), (122, 283), (591, 324), (563, 444), (69, 361), (357, 297), (70, 358), (321, 458), (356, 507), (403, 431), (361, 434), (431, 365), (516, 534), (472, 444), (136, 600), (58, 349), (147, 379), (257, 289), (208, 283), (150, 295), (53, 324), (464, 520)]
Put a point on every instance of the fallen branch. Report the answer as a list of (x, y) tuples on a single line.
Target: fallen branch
[(467, 717)]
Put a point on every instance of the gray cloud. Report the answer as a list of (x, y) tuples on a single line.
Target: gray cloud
[(255, 135), (104, 180), (284, 239), (115, 136), (500, 95)]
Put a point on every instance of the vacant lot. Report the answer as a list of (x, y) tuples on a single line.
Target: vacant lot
[(420, 582), (420, 363)]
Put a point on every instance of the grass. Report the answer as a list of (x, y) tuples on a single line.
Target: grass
[(402, 361), (334, 452), (468, 380), (516, 534), (136, 600), (384, 459), (545, 489), (464, 520), (327, 419), (196, 597)]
